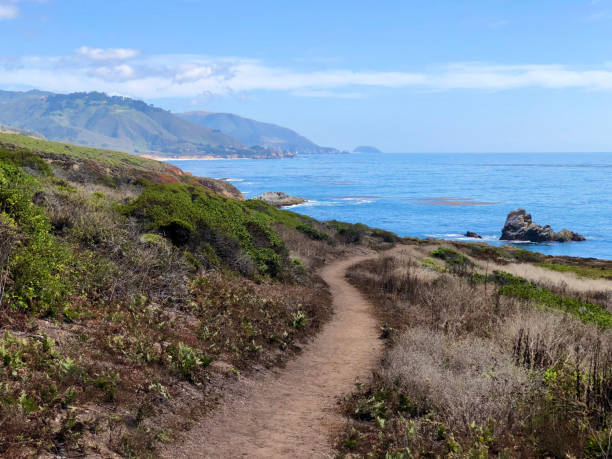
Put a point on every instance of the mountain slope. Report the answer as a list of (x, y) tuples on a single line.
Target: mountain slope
[(256, 133), (97, 120)]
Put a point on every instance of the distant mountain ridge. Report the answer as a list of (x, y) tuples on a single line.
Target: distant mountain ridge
[(97, 120), (256, 133)]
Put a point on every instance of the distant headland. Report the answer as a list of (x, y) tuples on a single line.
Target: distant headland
[(366, 149)]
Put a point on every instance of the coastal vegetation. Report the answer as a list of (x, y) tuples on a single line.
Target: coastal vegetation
[(481, 361), (132, 294)]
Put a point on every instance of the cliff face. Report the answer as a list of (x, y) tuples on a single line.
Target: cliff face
[(520, 227)]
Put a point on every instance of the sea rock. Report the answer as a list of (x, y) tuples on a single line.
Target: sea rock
[(221, 187), (366, 149), (280, 199), (566, 235), (520, 227), (473, 234)]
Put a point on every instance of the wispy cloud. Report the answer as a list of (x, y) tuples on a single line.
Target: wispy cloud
[(126, 71), (109, 54), (8, 10)]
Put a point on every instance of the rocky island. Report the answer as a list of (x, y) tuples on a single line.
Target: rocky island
[(520, 227), (366, 149), (280, 199)]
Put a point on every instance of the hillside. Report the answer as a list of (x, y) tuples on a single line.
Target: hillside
[(119, 123), (256, 133), (133, 294)]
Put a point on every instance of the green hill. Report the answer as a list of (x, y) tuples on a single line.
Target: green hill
[(97, 120), (256, 133)]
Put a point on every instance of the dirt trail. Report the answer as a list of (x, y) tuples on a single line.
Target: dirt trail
[(293, 412)]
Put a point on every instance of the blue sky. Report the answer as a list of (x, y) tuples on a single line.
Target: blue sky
[(405, 76)]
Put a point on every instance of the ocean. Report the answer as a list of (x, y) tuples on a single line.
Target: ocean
[(441, 195)]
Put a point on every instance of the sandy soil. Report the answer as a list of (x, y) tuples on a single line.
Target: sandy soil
[(293, 412)]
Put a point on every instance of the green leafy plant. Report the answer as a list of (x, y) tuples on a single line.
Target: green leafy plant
[(299, 319), (187, 360), (454, 260)]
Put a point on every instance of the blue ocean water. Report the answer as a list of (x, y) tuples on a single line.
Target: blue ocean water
[(441, 195)]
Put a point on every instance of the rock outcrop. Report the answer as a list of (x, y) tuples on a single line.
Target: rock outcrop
[(221, 187), (520, 227), (280, 199), (473, 235)]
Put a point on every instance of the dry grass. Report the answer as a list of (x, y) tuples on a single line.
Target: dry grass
[(566, 280), (471, 373), (562, 338), (464, 380), (313, 254)]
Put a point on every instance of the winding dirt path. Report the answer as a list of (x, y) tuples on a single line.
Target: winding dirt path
[(293, 412)]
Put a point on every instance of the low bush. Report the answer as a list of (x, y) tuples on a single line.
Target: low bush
[(25, 159), (313, 233), (187, 360), (39, 266), (456, 261), (350, 233)]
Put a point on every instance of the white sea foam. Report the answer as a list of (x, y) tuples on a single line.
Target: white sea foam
[(315, 203)]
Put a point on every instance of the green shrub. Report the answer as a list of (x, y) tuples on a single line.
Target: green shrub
[(386, 236), (526, 256), (299, 319), (40, 266), (187, 360), (431, 264), (580, 271), (23, 159), (313, 233), (283, 217), (191, 216), (453, 259), (211, 256), (350, 233)]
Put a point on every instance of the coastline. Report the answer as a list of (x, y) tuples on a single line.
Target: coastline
[(193, 158)]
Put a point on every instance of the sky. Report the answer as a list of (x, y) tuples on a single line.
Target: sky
[(404, 76)]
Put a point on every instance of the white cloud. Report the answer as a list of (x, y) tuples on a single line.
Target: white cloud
[(126, 71), (109, 54), (8, 11)]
